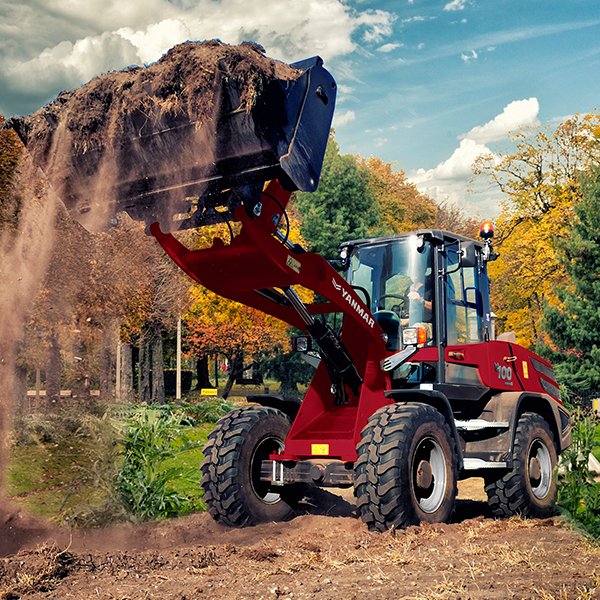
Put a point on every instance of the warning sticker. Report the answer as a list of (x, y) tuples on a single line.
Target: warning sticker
[(319, 449), (293, 264)]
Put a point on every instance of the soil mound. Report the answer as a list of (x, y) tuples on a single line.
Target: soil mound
[(127, 133)]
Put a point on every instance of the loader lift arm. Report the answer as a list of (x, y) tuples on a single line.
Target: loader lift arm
[(258, 269)]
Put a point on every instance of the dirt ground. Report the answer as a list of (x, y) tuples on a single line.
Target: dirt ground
[(325, 552)]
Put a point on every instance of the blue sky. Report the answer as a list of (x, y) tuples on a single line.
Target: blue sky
[(425, 83)]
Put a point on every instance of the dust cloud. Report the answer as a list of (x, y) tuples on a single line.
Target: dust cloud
[(24, 257)]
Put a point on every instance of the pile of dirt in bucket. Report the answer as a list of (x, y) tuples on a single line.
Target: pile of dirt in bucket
[(114, 137)]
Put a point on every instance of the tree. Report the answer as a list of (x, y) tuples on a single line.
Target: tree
[(343, 207), (539, 180), (27, 207), (214, 325), (289, 369), (401, 206), (574, 325)]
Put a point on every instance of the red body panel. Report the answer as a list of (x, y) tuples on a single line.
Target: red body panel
[(256, 259), (505, 366)]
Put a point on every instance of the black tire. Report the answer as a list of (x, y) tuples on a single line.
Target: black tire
[(529, 489), (233, 453), (406, 470)]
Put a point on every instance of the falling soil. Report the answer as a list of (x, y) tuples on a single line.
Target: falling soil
[(325, 553), (112, 143)]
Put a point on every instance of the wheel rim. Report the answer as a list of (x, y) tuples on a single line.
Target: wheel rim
[(262, 489), (429, 475), (539, 469)]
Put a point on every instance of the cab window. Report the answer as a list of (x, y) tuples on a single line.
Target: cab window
[(464, 312)]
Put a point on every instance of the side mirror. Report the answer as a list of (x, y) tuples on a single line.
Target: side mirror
[(468, 254), (301, 344)]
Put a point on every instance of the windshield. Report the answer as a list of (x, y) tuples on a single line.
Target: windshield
[(395, 278)]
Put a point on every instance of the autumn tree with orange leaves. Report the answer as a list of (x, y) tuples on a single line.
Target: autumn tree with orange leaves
[(244, 335)]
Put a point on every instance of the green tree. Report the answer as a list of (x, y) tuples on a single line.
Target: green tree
[(344, 206), (574, 325), (289, 368)]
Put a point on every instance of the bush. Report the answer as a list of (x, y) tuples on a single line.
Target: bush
[(151, 438), (578, 491), (210, 411)]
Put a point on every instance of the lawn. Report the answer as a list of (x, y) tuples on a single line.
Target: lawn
[(49, 479)]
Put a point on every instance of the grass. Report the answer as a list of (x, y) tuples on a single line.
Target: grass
[(44, 477), (50, 479)]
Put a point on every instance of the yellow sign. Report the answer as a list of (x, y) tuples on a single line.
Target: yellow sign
[(319, 449), (208, 391)]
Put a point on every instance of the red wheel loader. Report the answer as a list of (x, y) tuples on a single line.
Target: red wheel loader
[(411, 393)]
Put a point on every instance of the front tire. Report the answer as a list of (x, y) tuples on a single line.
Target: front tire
[(529, 489), (233, 491), (406, 469)]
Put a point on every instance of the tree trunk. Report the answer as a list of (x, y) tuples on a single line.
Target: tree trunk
[(158, 368), (80, 381), (202, 373), (106, 363), (20, 387), (126, 388), (144, 371), (53, 367), (236, 369)]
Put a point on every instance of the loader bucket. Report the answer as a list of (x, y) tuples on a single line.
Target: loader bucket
[(159, 161)]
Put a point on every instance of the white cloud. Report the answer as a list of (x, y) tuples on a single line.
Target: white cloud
[(345, 89), (379, 25), (458, 166), (455, 5), (449, 179), (389, 47), (416, 18), (96, 36), (468, 57), (517, 114), (341, 119), (156, 39), (69, 65)]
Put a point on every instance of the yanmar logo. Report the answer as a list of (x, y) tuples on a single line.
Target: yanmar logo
[(362, 313)]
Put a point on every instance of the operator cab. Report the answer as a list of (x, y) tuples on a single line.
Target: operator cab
[(427, 288), (396, 278)]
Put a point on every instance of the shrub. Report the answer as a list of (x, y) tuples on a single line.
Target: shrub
[(578, 492), (152, 437)]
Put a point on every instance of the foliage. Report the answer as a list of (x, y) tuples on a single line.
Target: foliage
[(579, 492), (402, 207), (211, 410), (343, 207), (68, 464), (144, 483), (574, 326), (539, 179), (215, 325), (289, 369), (10, 202), (451, 217)]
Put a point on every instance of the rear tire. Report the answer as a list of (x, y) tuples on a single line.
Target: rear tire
[(529, 489), (406, 469), (233, 491)]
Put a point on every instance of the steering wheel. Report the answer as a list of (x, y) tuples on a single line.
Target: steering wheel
[(397, 296)]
